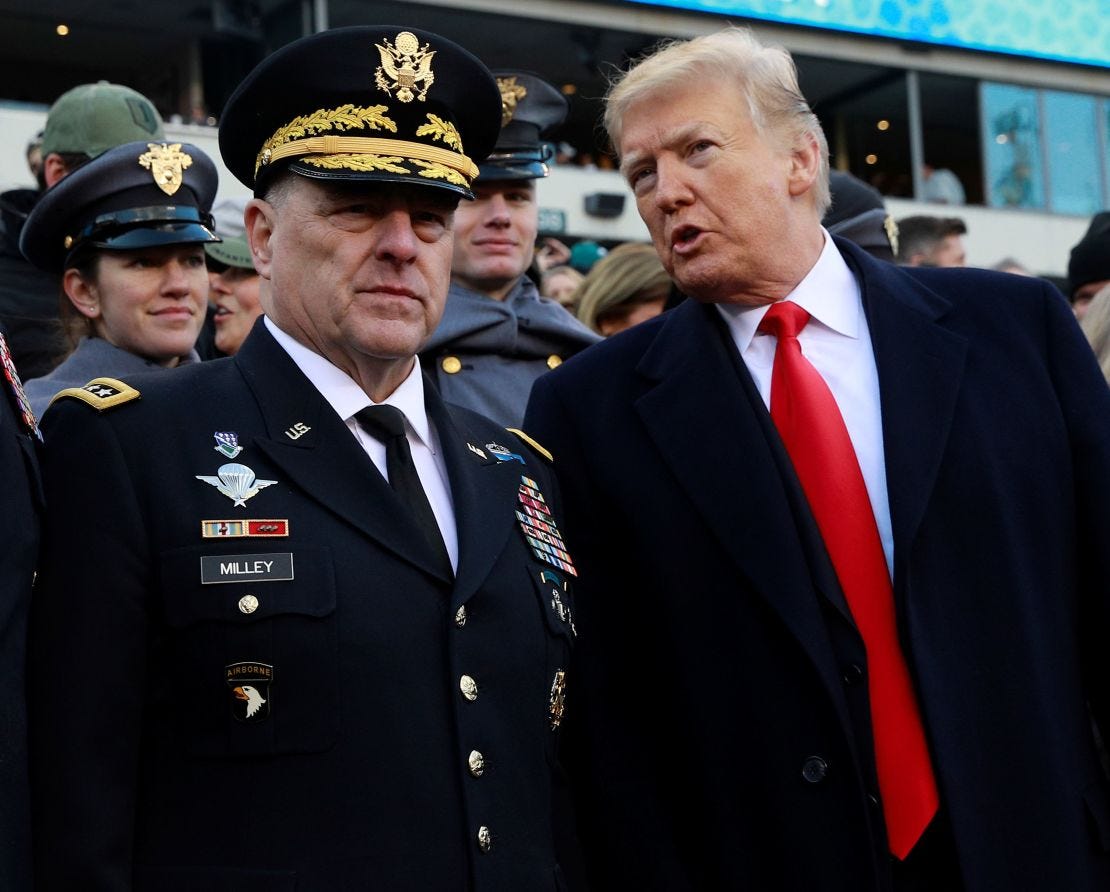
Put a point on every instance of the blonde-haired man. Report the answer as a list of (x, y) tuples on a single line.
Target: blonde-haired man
[(841, 529)]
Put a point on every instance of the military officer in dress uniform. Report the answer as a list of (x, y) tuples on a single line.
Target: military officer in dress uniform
[(302, 625), (498, 334), (19, 529)]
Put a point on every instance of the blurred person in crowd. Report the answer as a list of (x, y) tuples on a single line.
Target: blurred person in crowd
[(584, 254), (498, 334), (83, 123), (627, 286), (34, 157), (1096, 326), (1013, 266), (941, 186), (290, 629), (560, 283), (1089, 264), (19, 528), (233, 283), (863, 648), (127, 233), (858, 213), (931, 241), (551, 252)]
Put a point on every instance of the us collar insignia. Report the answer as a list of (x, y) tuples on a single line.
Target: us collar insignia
[(227, 443), (250, 690), (407, 65), (511, 94), (166, 162), (539, 527), (16, 387), (237, 482), (502, 454)]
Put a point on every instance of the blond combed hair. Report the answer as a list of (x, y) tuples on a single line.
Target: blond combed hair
[(765, 78)]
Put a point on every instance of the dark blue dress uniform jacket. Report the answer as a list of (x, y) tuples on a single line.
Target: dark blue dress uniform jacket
[(721, 727), (357, 772), (20, 511)]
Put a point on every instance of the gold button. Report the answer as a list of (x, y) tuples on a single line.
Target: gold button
[(248, 604), (554, 361), (451, 364), (469, 687), (485, 839), (460, 616), (476, 762)]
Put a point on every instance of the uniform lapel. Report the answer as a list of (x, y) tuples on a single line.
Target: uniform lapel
[(483, 491), (921, 365), (316, 450), (699, 417)]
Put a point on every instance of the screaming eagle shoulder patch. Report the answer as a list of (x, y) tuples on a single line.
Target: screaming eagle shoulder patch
[(249, 684)]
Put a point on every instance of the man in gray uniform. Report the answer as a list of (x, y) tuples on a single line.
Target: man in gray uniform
[(497, 334)]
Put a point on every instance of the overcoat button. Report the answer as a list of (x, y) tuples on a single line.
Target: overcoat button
[(469, 687), (853, 674), (476, 762), (814, 769), (451, 364), (485, 839), (460, 616)]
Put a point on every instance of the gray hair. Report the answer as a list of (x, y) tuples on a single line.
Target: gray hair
[(766, 77)]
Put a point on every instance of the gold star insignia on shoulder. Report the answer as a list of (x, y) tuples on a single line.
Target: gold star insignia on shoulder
[(100, 393)]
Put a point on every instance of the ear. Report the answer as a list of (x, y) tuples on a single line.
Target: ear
[(81, 293), (260, 219), (805, 162), (53, 169)]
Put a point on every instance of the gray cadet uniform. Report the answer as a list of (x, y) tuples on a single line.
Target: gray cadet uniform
[(93, 358), (486, 353)]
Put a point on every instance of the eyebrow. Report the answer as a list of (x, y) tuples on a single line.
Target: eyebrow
[(679, 135)]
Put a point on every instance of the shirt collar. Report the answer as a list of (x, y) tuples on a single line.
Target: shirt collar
[(829, 293), (344, 395)]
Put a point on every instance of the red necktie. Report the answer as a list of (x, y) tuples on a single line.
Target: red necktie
[(812, 429)]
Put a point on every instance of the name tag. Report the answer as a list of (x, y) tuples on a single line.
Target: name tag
[(246, 568)]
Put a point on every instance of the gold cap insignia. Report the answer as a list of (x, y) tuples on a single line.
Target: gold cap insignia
[(166, 162), (511, 94), (407, 65)]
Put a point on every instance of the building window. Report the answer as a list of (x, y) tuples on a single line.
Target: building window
[(1073, 153), (1014, 171)]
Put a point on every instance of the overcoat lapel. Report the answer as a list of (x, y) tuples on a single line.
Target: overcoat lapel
[(920, 361), (483, 491), (698, 416), (316, 450)]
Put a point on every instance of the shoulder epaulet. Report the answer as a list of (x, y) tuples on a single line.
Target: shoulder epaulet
[(536, 446), (100, 393)]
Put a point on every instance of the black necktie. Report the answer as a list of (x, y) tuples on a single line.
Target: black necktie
[(387, 425)]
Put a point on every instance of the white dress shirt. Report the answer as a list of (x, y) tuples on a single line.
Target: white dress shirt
[(347, 398), (837, 342)]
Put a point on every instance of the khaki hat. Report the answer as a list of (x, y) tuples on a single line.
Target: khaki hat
[(92, 118), (234, 249)]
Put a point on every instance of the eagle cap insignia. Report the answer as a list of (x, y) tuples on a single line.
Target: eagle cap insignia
[(407, 65), (511, 94), (166, 162)]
